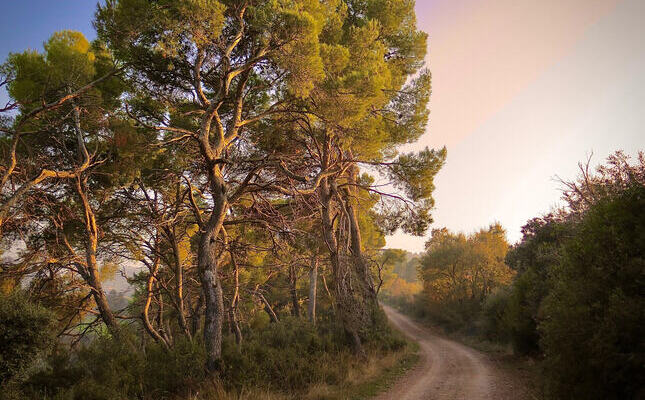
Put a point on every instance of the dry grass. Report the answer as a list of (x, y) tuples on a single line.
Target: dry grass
[(214, 391)]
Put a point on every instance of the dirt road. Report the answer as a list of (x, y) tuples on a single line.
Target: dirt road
[(448, 370)]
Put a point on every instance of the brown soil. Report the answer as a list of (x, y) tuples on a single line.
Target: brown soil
[(449, 370)]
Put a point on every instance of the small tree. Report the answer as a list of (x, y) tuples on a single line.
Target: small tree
[(459, 272), (62, 162)]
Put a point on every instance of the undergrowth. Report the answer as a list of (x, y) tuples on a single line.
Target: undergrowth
[(291, 359)]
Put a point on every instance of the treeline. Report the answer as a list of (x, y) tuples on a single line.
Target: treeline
[(398, 277), (220, 149), (571, 293)]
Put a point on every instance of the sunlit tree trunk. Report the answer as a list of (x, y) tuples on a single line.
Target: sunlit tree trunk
[(267, 308), (91, 273), (235, 326), (145, 315), (179, 285)]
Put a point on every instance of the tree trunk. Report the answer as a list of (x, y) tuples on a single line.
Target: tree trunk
[(196, 315), (373, 315), (235, 327), (293, 282), (313, 282), (179, 285), (91, 273), (164, 329), (267, 308), (145, 315), (99, 296), (346, 304), (208, 271)]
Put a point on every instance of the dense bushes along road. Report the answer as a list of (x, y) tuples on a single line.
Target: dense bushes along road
[(575, 298)]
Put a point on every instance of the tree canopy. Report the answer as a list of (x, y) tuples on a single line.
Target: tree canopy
[(223, 148)]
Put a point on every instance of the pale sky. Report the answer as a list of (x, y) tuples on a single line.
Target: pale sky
[(522, 91)]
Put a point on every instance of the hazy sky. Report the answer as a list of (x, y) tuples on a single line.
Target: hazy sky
[(522, 91)]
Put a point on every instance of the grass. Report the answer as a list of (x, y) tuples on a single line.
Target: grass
[(376, 376)]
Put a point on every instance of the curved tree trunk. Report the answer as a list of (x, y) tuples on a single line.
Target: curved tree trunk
[(267, 308), (208, 272), (91, 273), (145, 315), (353, 284), (235, 326)]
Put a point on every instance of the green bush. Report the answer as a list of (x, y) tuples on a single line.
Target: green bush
[(103, 370), (493, 324), (25, 334), (534, 258), (108, 369), (522, 312), (453, 316), (176, 371), (594, 317), (293, 354)]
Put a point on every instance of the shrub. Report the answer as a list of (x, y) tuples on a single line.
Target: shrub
[(106, 369), (493, 322), (288, 356), (594, 317), (25, 334), (534, 258), (292, 354), (522, 312)]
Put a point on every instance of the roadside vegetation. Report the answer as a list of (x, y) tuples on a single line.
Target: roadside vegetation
[(569, 295), (290, 359)]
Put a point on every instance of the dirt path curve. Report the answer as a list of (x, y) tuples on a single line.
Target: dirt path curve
[(448, 370)]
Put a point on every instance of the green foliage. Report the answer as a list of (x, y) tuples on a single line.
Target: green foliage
[(290, 354), (418, 171), (593, 330), (107, 369), (577, 300), (25, 334), (522, 312), (68, 63), (533, 259), (288, 357), (459, 268), (463, 281), (400, 279), (165, 34)]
